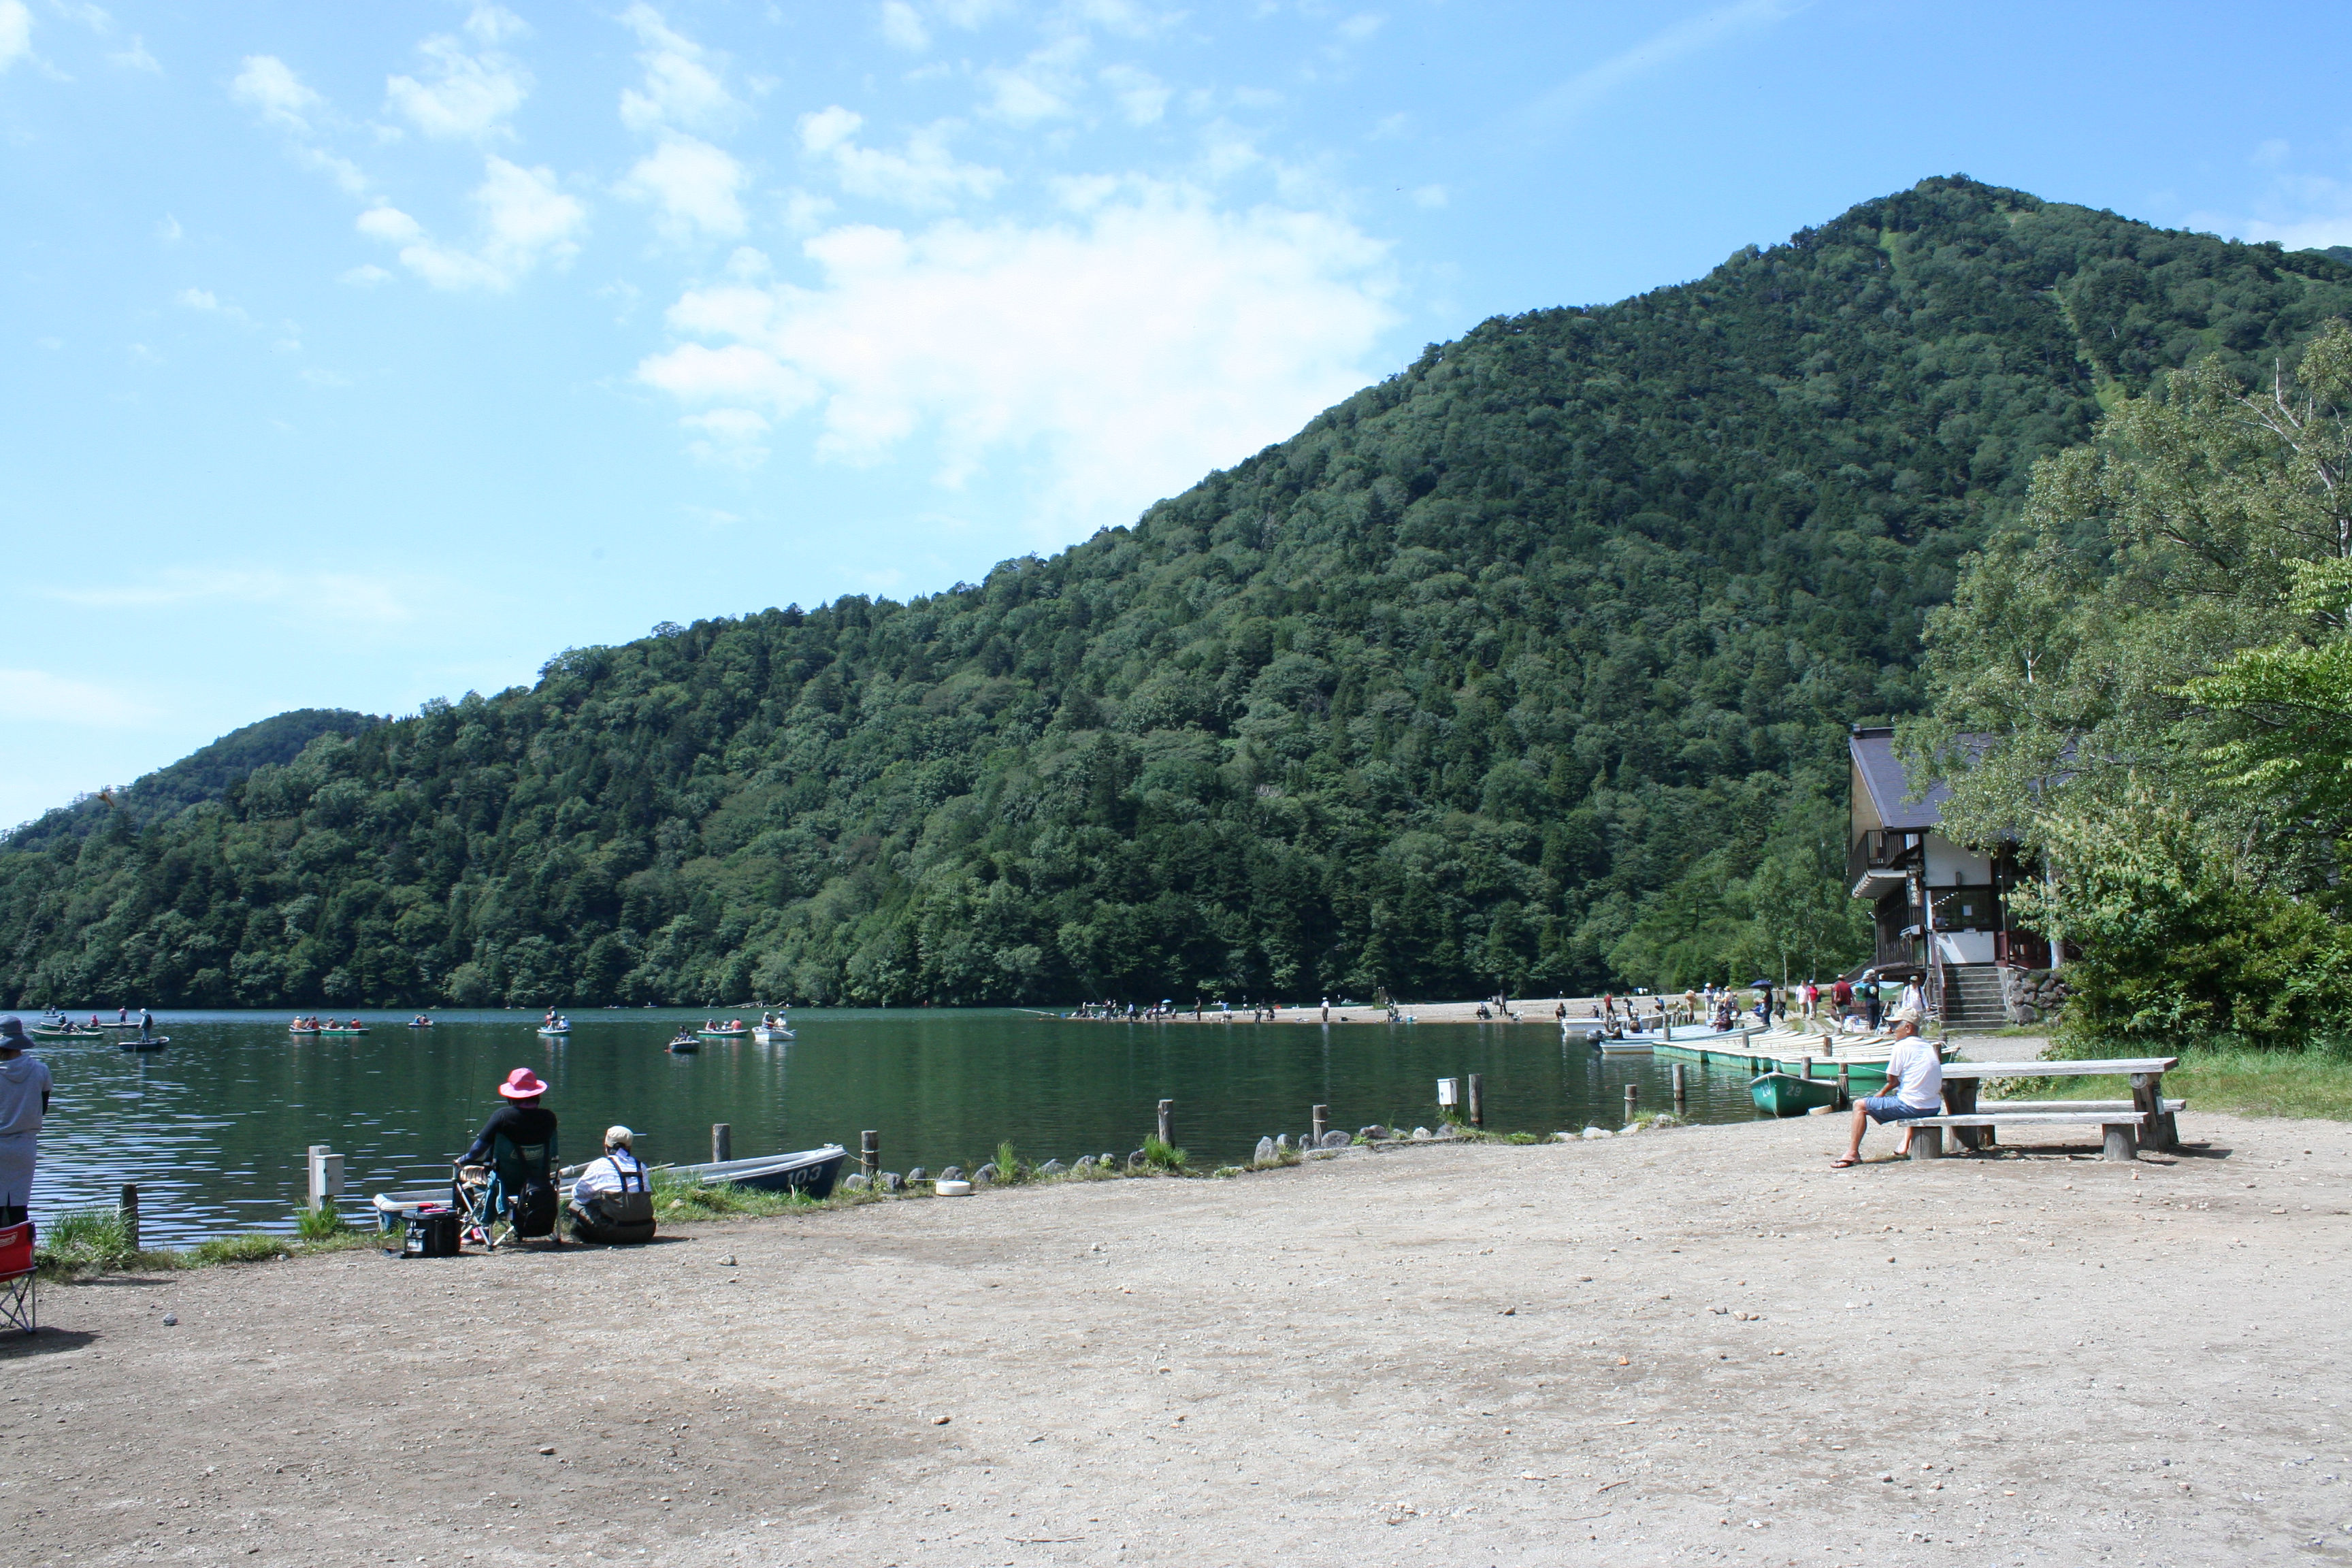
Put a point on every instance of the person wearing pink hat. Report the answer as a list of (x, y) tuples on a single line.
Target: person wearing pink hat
[(522, 1120)]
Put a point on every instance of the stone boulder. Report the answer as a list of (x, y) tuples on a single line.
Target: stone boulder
[(1266, 1154)]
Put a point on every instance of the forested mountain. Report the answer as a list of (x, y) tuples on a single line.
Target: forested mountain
[(1530, 667), (205, 773)]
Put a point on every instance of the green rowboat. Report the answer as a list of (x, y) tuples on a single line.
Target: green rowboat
[(1786, 1094)]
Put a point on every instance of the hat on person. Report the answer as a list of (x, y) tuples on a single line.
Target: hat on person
[(12, 1027), (617, 1137), (522, 1084)]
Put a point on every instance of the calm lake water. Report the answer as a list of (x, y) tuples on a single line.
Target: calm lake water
[(214, 1127)]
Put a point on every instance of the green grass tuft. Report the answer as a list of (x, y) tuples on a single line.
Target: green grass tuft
[(1163, 1156), (324, 1222)]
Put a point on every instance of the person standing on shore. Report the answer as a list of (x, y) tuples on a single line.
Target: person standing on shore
[(24, 1101)]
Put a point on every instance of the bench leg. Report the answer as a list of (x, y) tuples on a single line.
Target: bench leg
[(1961, 1100), (1927, 1142), (2120, 1143), (2157, 1131)]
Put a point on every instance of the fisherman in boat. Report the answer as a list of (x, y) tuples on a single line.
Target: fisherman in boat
[(612, 1202)]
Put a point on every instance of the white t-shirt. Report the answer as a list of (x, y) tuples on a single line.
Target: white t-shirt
[(23, 1081), (605, 1175), (1918, 1074)]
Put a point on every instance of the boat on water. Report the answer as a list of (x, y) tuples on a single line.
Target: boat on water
[(69, 1032), (554, 1034), (420, 1023), (771, 1034), (685, 1043), (735, 1034), (1786, 1094), (145, 1042), (359, 1030)]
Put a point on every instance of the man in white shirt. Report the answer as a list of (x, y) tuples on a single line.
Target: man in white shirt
[(612, 1202), (1915, 1088)]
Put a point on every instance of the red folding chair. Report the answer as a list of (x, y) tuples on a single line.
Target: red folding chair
[(16, 1278)]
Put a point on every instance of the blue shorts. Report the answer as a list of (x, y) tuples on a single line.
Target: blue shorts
[(1889, 1108)]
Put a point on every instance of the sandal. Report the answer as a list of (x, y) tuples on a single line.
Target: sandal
[(1842, 1163)]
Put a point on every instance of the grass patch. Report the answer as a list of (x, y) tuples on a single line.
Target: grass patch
[(2315, 1083), (1160, 1156), (683, 1197)]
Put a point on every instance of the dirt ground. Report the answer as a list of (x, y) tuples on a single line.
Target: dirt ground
[(1699, 1343)]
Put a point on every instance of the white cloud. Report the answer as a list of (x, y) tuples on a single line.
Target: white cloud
[(1361, 26), (492, 25), (1581, 92), (36, 697), (736, 438), (1126, 354), (902, 25), (2299, 210), (469, 96), (269, 87), (925, 175), (136, 58), (1141, 97), (367, 276), (525, 219), (169, 230), (356, 596), (694, 183), (16, 33), (682, 82)]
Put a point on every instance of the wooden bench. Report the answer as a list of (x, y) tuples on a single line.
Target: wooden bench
[(2158, 1130), (2120, 1129)]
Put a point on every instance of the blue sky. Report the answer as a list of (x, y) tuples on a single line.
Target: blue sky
[(362, 354)]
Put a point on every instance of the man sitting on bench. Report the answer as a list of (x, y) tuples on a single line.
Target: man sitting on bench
[(1915, 1080)]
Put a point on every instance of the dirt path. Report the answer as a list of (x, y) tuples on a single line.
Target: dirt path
[(1481, 1355)]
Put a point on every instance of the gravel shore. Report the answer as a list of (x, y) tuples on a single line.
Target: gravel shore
[(1697, 1344)]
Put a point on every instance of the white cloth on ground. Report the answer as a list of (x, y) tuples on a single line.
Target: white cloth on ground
[(619, 1171), (1918, 1074)]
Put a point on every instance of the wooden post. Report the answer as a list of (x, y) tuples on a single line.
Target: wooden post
[(1845, 1094), (1477, 1100), (1632, 1095), (1168, 1122), (1927, 1142), (2119, 1144), (722, 1141), (130, 1214), (869, 1154), (1678, 1085), (1320, 1118)]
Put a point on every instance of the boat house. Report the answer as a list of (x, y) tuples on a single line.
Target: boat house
[(1938, 909)]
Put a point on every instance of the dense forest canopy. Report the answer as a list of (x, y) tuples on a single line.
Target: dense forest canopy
[(1529, 667)]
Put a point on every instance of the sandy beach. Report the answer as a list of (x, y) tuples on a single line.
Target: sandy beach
[(1695, 1343)]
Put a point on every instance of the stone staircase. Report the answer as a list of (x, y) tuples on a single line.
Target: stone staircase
[(1973, 997)]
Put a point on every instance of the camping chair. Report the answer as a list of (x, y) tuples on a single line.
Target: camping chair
[(511, 1198), (18, 1280)]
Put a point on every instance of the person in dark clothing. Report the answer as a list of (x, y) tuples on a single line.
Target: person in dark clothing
[(521, 1118)]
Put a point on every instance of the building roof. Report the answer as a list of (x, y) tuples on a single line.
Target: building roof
[(1890, 790)]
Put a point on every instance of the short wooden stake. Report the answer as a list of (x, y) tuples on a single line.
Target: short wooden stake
[(2119, 1142), (1168, 1122), (722, 1141), (1477, 1100), (869, 1154), (1319, 1116), (130, 1214), (1845, 1096), (1678, 1085), (1632, 1094)]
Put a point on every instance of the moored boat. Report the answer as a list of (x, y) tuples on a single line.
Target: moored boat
[(1786, 1094), (811, 1171)]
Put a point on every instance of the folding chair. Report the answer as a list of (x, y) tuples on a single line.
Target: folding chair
[(493, 1207), (18, 1284)]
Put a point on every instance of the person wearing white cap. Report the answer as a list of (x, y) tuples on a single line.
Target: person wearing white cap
[(612, 1202), (24, 1101)]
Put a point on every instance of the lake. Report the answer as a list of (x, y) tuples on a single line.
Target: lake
[(214, 1127)]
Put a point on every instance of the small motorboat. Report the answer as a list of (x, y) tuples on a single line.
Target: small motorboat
[(145, 1042), (811, 1171), (1786, 1094), (686, 1042)]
